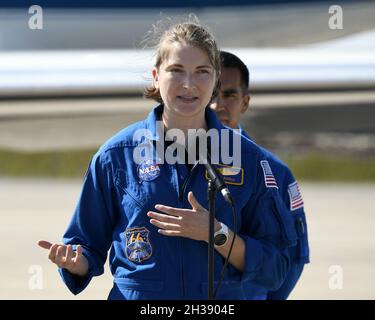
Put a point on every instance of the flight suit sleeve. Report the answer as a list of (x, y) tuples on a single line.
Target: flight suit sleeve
[(92, 223), (268, 231)]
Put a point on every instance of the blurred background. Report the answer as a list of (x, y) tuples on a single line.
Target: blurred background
[(69, 83)]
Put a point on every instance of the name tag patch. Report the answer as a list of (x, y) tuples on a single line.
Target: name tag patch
[(231, 175)]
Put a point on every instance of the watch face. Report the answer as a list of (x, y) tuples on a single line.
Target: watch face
[(220, 239)]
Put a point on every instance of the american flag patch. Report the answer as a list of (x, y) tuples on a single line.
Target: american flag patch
[(269, 178), (295, 196)]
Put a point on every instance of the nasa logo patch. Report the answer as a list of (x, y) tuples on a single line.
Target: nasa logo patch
[(148, 170)]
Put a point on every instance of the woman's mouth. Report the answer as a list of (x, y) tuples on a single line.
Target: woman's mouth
[(187, 99)]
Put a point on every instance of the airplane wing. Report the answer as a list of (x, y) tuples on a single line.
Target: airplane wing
[(343, 63)]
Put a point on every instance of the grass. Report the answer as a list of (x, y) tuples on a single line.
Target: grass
[(45, 164), (328, 167), (73, 164)]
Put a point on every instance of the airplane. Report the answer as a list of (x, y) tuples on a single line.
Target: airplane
[(345, 63)]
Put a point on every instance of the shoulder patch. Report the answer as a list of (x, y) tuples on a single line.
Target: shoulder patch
[(269, 178), (295, 196)]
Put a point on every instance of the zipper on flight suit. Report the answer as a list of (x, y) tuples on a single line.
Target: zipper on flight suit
[(181, 192), (180, 203), (300, 221), (133, 198), (303, 250), (182, 188)]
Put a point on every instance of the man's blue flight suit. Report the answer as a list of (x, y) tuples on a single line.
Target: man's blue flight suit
[(299, 254)]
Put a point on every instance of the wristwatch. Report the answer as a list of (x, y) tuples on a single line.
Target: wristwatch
[(221, 236)]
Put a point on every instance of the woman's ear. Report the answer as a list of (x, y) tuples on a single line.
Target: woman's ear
[(155, 76)]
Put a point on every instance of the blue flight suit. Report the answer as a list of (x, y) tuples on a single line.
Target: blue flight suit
[(299, 254), (111, 213)]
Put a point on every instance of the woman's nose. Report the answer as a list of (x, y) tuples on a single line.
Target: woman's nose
[(188, 81)]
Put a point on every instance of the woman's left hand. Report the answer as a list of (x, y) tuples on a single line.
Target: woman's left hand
[(177, 222)]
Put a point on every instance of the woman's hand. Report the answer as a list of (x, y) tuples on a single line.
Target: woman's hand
[(64, 257), (188, 223)]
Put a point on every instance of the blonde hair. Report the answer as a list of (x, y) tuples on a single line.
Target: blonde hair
[(190, 32)]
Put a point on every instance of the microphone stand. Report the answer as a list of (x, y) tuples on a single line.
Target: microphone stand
[(211, 193)]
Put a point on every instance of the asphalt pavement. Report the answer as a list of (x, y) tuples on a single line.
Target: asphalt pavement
[(341, 220)]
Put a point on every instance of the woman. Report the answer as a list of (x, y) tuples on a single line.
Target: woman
[(152, 214)]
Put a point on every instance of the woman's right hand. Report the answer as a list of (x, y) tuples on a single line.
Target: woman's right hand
[(64, 257)]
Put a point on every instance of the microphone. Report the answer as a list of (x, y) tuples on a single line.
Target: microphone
[(217, 179)]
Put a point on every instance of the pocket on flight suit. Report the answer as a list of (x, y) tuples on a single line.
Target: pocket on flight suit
[(132, 193), (286, 221), (229, 290), (136, 289)]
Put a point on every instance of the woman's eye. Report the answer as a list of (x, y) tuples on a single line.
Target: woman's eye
[(175, 70), (203, 71)]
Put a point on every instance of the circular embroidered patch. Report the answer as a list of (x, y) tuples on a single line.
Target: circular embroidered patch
[(148, 170)]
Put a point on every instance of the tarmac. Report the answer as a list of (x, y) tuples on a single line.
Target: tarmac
[(341, 220)]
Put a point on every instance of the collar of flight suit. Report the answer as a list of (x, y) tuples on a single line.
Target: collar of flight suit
[(155, 115)]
